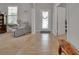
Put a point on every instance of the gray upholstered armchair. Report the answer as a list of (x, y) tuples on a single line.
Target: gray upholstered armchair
[(21, 30)]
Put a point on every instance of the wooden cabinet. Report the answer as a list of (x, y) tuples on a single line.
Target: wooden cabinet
[(2, 25)]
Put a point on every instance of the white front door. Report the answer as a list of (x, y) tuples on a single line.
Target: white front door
[(45, 20)]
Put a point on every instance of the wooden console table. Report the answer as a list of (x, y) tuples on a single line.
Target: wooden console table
[(66, 48)]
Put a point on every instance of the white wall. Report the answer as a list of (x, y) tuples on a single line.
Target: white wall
[(33, 21), (73, 25), (54, 27)]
